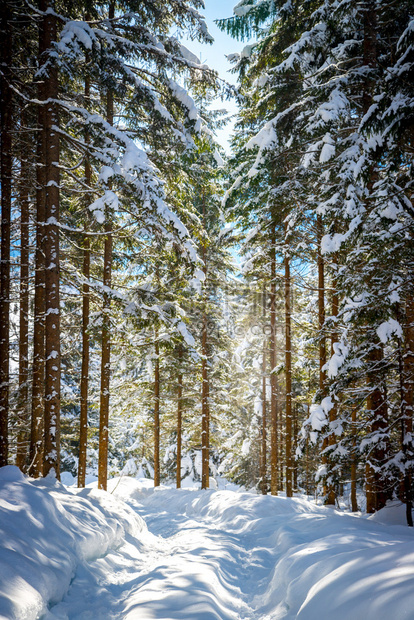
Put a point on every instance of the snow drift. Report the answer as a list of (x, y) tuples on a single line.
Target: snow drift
[(206, 555)]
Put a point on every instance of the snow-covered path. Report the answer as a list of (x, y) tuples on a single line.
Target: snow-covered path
[(135, 553), (227, 556), (186, 567)]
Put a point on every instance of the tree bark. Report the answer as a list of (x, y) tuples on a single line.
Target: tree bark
[(288, 364), (274, 447), (157, 473), (406, 362), (84, 383), (376, 491), (354, 461), (205, 408), (295, 445), (205, 389), (263, 463), (331, 492), (38, 378), (23, 403), (6, 200), (106, 326), (321, 308), (179, 419), (51, 458)]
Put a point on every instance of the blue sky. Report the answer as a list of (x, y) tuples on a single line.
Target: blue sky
[(215, 55)]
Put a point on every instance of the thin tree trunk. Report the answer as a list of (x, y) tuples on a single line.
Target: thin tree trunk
[(331, 493), (205, 390), (295, 445), (205, 408), (288, 363), (23, 413), (274, 447), (307, 466), (322, 344), (157, 473), (6, 199), (406, 363), (84, 383), (376, 491), (354, 462), (105, 364), (106, 326), (263, 465), (38, 378), (179, 419), (51, 458), (321, 308)]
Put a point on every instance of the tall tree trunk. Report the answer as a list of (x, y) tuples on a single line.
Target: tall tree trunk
[(179, 418), (331, 493), (106, 325), (38, 379), (263, 463), (376, 405), (322, 343), (6, 199), (205, 390), (157, 472), (406, 354), (23, 406), (84, 382), (354, 461), (51, 458), (274, 447), (376, 487), (321, 308), (288, 364), (295, 445), (105, 363), (205, 407)]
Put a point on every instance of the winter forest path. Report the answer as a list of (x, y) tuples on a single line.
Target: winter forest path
[(226, 555), (191, 565)]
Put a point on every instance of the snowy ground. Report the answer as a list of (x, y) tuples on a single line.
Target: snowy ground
[(191, 555)]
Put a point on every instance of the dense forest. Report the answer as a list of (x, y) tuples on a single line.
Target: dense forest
[(171, 311)]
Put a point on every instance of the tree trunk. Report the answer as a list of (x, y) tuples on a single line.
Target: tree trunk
[(205, 390), (263, 463), (205, 408), (321, 309), (322, 346), (157, 473), (179, 420), (38, 378), (295, 445), (406, 363), (331, 493), (23, 405), (84, 383), (51, 458), (274, 447), (376, 491), (288, 363), (354, 461), (106, 327), (376, 404), (6, 200)]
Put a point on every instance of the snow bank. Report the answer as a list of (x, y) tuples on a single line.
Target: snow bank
[(288, 557), (46, 532), (208, 555)]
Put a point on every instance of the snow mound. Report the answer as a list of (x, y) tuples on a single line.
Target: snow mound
[(46, 531), (70, 554)]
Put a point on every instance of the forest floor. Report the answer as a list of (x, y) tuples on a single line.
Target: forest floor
[(195, 555)]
